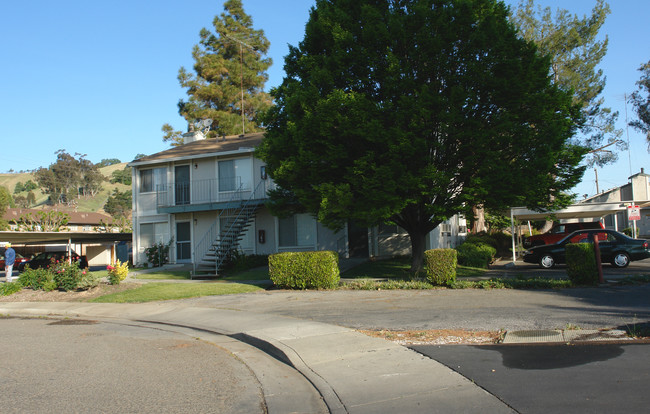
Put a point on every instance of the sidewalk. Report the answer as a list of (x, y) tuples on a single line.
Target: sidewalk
[(353, 373)]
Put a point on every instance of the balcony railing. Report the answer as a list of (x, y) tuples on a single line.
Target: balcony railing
[(210, 191)]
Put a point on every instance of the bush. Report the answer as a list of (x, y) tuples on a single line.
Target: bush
[(10, 288), (158, 254), (440, 265), (88, 280), (305, 270), (475, 254), (238, 262), (117, 272), (581, 264), (502, 242), (68, 276), (38, 279)]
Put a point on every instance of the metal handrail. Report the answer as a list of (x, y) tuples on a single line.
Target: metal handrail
[(201, 191), (236, 219), (211, 234)]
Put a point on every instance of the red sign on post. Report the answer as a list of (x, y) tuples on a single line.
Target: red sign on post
[(633, 213)]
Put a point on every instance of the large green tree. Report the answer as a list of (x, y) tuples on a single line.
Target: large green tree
[(641, 101), (69, 178), (576, 50), (411, 111), (229, 62)]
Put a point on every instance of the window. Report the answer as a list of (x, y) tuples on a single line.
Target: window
[(296, 231), (151, 178), (235, 173), (151, 233)]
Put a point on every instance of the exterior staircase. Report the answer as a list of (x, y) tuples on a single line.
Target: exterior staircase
[(218, 247)]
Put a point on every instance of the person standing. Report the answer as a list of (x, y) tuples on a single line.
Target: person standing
[(10, 258)]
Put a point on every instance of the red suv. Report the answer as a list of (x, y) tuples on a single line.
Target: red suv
[(558, 232)]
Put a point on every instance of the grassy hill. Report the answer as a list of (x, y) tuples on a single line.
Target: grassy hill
[(85, 204)]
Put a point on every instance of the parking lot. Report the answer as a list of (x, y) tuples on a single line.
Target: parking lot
[(505, 268)]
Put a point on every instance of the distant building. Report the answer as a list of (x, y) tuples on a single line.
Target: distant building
[(637, 192), (99, 250)]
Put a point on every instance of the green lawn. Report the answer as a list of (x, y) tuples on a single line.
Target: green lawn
[(164, 275), (259, 273), (398, 268), (156, 291)]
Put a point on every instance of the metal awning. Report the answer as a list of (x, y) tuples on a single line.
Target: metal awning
[(575, 211), (25, 237)]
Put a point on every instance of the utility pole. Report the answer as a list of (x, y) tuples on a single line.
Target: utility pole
[(596, 171)]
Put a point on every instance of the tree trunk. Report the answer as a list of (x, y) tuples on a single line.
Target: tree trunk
[(547, 226), (479, 220), (418, 243)]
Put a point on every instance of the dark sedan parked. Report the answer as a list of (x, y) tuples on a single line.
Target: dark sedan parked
[(46, 259), (615, 248)]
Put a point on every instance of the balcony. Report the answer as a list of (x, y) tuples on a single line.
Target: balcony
[(207, 195)]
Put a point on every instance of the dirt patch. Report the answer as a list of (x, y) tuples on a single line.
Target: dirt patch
[(439, 337), (30, 295)]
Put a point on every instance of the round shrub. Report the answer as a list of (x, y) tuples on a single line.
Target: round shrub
[(475, 254), (305, 270), (440, 265), (581, 265)]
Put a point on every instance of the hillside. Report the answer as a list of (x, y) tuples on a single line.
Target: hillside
[(83, 204)]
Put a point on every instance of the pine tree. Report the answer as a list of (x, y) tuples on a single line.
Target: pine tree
[(230, 73), (640, 99), (571, 43)]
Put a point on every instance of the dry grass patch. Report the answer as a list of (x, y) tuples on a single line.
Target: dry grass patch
[(438, 336)]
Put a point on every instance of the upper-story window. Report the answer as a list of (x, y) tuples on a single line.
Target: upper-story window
[(151, 178), (235, 174)]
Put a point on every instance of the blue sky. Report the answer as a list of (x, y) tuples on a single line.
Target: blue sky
[(99, 78)]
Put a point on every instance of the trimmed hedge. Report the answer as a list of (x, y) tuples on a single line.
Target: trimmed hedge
[(475, 254), (581, 264), (305, 270), (440, 265)]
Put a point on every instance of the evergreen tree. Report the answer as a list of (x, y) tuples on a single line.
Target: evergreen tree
[(571, 42), (641, 101), (119, 204), (411, 111), (228, 60)]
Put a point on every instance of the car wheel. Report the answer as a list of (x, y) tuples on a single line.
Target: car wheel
[(546, 262), (621, 259)]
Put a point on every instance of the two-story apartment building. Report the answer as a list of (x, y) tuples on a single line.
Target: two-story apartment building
[(206, 197)]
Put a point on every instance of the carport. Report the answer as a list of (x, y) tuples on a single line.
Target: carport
[(67, 238), (595, 211)]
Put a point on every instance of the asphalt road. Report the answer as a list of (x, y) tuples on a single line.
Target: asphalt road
[(473, 309), (65, 366), (593, 378)]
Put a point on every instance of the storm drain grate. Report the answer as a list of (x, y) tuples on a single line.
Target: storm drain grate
[(574, 335)]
